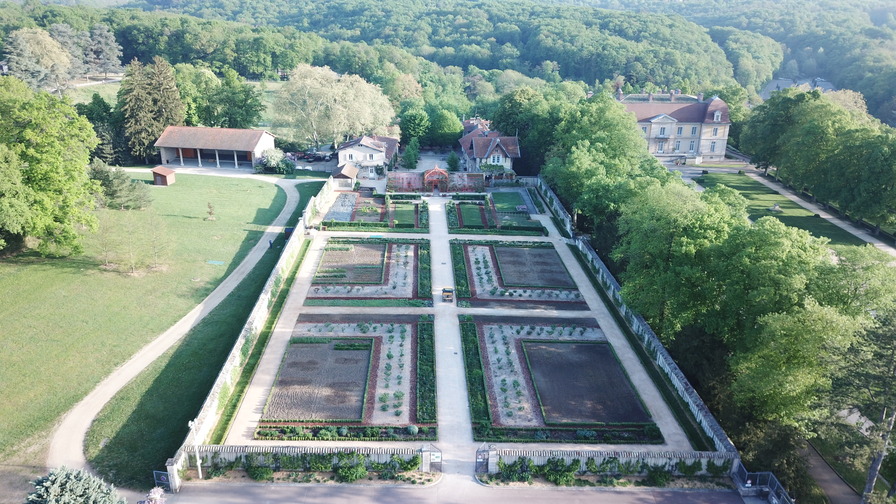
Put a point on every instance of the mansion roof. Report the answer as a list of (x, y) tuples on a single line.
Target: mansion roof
[(681, 108)]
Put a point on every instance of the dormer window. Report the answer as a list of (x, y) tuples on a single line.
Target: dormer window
[(717, 116)]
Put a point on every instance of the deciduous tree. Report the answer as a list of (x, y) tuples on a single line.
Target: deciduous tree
[(52, 143)]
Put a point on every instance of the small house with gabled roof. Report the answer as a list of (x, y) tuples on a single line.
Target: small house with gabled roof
[(481, 146), (368, 153), (218, 147)]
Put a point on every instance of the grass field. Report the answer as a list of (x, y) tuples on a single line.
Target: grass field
[(159, 402), (760, 198), (72, 321), (83, 94), (471, 215), (507, 201), (406, 213)]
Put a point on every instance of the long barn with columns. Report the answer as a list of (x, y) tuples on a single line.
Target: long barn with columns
[(213, 147)]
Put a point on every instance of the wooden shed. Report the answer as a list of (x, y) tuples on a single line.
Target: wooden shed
[(162, 176)]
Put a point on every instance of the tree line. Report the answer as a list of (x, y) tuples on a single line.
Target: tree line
[(774, 327), (827, 145), (537, 39)]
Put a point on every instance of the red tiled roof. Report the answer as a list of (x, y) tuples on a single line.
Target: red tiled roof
[(484, 146), (689, 112), (210, 138)]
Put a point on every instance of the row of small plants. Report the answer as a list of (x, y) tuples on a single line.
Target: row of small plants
[(346, 467), (533, 194), (468, 197), (559, 472), (620, 433), (412, 303), (426, 372), (423, 215), (505, 243), (282, 432)]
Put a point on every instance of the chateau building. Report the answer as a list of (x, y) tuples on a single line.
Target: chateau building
[(681, 127)]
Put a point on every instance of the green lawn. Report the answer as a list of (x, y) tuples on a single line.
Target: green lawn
[(507, 201), (158, 404), (146, 422), (471, 214), (71, 321), (83, 94), (405, 213), (760, 199)]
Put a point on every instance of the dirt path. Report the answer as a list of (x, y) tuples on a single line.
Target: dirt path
[(836, 490), (67, 441)]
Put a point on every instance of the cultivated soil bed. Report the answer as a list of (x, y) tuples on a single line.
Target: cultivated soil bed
[(370, 272), (354, 371), (504, 274), (552, 380)]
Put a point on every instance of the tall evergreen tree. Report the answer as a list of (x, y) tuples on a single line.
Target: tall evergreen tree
[(150, 102), (39, 60), (103, 53)]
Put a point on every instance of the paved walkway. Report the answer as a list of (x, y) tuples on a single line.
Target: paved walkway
[(67, 443), (836, 490)]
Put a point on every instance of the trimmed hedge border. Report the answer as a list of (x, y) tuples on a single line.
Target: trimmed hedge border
[(476, 388), (426, 373)]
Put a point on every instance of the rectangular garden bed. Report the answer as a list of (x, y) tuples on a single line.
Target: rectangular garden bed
[(542, 380), (582, 382), (380, 213), (473, 218), (321, 380), (529, 275), (354, 371), (373, 272)]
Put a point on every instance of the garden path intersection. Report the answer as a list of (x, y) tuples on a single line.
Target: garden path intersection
[(458, 483)]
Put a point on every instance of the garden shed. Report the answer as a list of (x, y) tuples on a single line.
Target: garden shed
[(162, 176), (345, 176)]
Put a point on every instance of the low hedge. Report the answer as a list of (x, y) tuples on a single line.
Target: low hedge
[(476, 388), (461, 281), (426, 373)]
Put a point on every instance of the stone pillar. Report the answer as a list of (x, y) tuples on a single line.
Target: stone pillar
[(236, 162), (180, 154), (199, 156), (217, 161)]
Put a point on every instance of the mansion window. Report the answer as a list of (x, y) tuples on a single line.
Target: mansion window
[(644, 129), (496, 159), (678, 145), (712, 147), (662, 131), (370, 157), (693, 131), (679, 130), (691, 146), (351, 157), (661, 147), (715, 132)]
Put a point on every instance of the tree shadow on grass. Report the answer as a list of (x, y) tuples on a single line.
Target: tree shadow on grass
[(146, 422)]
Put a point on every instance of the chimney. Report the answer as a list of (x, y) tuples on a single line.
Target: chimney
[(650, 97), (700, 97), (672, 97)]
